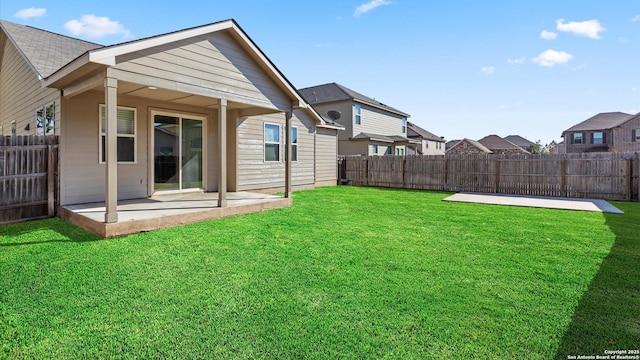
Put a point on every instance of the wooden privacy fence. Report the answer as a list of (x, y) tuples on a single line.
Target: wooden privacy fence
[(611, 176), (28, 177)]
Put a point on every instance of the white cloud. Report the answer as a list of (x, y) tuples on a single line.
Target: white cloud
[(552, 58), (548, 35), (590, 28), (488, 70), (636, 18), (31, 13), (517, 61), (95, 27), (366, 7)]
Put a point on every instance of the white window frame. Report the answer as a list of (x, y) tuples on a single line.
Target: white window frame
[(637, 139), (265, 142), (573, 138), (404, 125), (375, 149), (602, 138), (134, 135), (14, 128), (295, 144), (358, 114)]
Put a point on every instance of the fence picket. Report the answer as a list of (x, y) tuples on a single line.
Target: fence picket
[(612, 176)]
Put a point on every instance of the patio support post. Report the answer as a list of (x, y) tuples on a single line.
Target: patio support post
[(287, 149), (111, 149), (222, 153)]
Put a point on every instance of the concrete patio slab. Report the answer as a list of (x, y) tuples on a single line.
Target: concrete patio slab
[(164, 211), (536, 201)]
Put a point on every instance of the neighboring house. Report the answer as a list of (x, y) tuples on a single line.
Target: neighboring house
[(430, 144), (371, 127), (498, 145), (467, 147), (520, 141), (189, 110), (604, 132), (449, 144)]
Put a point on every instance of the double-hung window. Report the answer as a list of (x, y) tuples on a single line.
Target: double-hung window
[(271, 142), (126, 128), (598, 138), (294, 143), (404, 125), (358, 114), (577, 138)]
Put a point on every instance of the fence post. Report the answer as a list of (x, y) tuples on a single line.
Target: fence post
[(50, 182), (629, 180), (366, 171), (404, 172), (563, 177), (445, 186), (497, 188)]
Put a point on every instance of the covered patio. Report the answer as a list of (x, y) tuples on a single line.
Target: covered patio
[(164, 211)]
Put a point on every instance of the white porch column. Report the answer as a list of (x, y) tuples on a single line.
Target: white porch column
[(111, 149), (287, 156), (222, 153)]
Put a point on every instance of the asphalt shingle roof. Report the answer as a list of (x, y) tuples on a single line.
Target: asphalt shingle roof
[(335, 92), (473, 143), (423, 133), (601, 121), (46, 51), (495, 142), (519, 140)]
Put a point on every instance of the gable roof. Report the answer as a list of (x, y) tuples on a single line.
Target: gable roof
[(602, 121), (44, 51), (332, 92), (496, 143), (472, 143), (519, 141), (422, 133)]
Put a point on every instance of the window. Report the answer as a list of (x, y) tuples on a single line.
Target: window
[(126, 128), (272, 142), (358, 114), (399, 152), (294, 143), (13, 128), (375, 148), (404, 125), (598, 138), (389, 150), (45, 120), (577, 138), (438, 145), (426, 144), (636, 135)]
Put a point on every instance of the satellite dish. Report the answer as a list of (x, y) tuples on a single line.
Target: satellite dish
[(334, 115)]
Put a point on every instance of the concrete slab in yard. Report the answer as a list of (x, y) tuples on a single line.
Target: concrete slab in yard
[(536, 201)]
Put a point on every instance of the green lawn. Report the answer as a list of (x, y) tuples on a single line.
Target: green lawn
[(346, 272)]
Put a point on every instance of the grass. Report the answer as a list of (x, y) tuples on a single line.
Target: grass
[(345, 273)]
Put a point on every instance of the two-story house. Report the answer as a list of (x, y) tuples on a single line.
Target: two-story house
[(605, 132), (430, 143), (371, 127)]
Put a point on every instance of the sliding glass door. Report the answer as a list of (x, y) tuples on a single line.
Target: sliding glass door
[(178, 152)]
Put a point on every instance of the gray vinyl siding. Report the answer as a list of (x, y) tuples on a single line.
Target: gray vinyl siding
[(326, 155), (21, 93), (375, 121), (349, 147), (346, 116), (214, 61), (253, 173)]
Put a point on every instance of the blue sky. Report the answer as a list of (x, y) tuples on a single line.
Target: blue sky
[(460, 68)]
